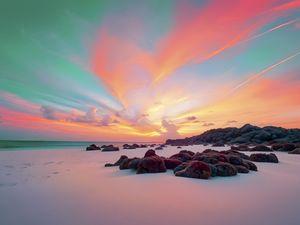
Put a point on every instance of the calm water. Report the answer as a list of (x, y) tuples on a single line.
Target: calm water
[(40, 145)]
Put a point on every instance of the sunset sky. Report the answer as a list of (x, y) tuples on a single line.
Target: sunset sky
[(135, 70)]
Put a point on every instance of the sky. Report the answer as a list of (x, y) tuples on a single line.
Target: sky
[(146, 70)]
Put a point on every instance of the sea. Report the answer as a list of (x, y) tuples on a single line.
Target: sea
[(9, 145)]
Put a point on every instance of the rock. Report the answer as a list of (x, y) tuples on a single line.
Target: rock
[(159, 148), (218, 144), (261, 148), (262, 157), (179, 147), (110, 149), (127, 146), (106, 146), (213, 170), (93, 147), (241, 169), (124, 164), (195, 169), (133, 164), (250, 165), (236, 153), (180, 167), (288, 147), (210, 151), (151, 164), (235, 160), (295, 151), (172, 163), (150, 152), (225, 170), (183, 157), (188, 152), (276, 146), (118, 162)]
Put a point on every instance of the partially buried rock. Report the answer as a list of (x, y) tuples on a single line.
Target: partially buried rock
[(118, 162), (241, 169), (262, 157), (295, 151), (250, 165), (261, 148), (172, 163), (225, 170), (151, 164), (110, 149), (195, 169), (93, 147), (288, 147)]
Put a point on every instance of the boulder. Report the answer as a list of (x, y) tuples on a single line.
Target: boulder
[(150, 152), (93, 147), (133, 164), (276, 146), (288, 147), (118, 162), (183, 157), (110, 149), (172, 163), (250, 165), (195, 169), (261, 148), (241, 169), (225, 170), (180, 167), (151, 164), (295, 151), (235, 160), (263, 157)]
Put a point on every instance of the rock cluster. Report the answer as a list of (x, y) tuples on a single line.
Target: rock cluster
[(209, 163), (247, 134), (103, 148)]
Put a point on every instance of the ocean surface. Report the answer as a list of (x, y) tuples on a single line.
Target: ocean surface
[(7, 145)]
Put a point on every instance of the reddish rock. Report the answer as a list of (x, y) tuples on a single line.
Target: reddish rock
[(172, 163), (261, 148), (151, 164), (150, 152), (195, 169), (241, 169), (262, 157), (225, 170)]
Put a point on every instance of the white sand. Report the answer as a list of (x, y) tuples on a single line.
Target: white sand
[(72, 187)]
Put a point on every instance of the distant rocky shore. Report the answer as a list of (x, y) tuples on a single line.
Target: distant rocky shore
[(247, 134)]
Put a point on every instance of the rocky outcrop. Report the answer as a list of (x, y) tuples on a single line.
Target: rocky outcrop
[(93, 147), (247, 134)]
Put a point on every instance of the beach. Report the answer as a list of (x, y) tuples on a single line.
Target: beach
[(72, 186)]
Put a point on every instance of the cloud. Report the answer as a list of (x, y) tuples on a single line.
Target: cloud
[(208, 124), (231, 121), (191, 118), (171, 129), (49, 112)]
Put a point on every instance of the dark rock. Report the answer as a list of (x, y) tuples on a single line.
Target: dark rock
[(183, 157), (150, 152), (106, 146), (127, 146), (151, 164), (276, 146), (225, 170), (172, 163), (195, 169), (240, 148), (235, 160), (187, 152), (159, 148), (261, 148), (288, 147), (179, 147), (218, 144), (93, 147), (295, 151), (241, 169), (110, 149), (180, 167), (262, 157), (118, 162), (250, 165), (133, 164)]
